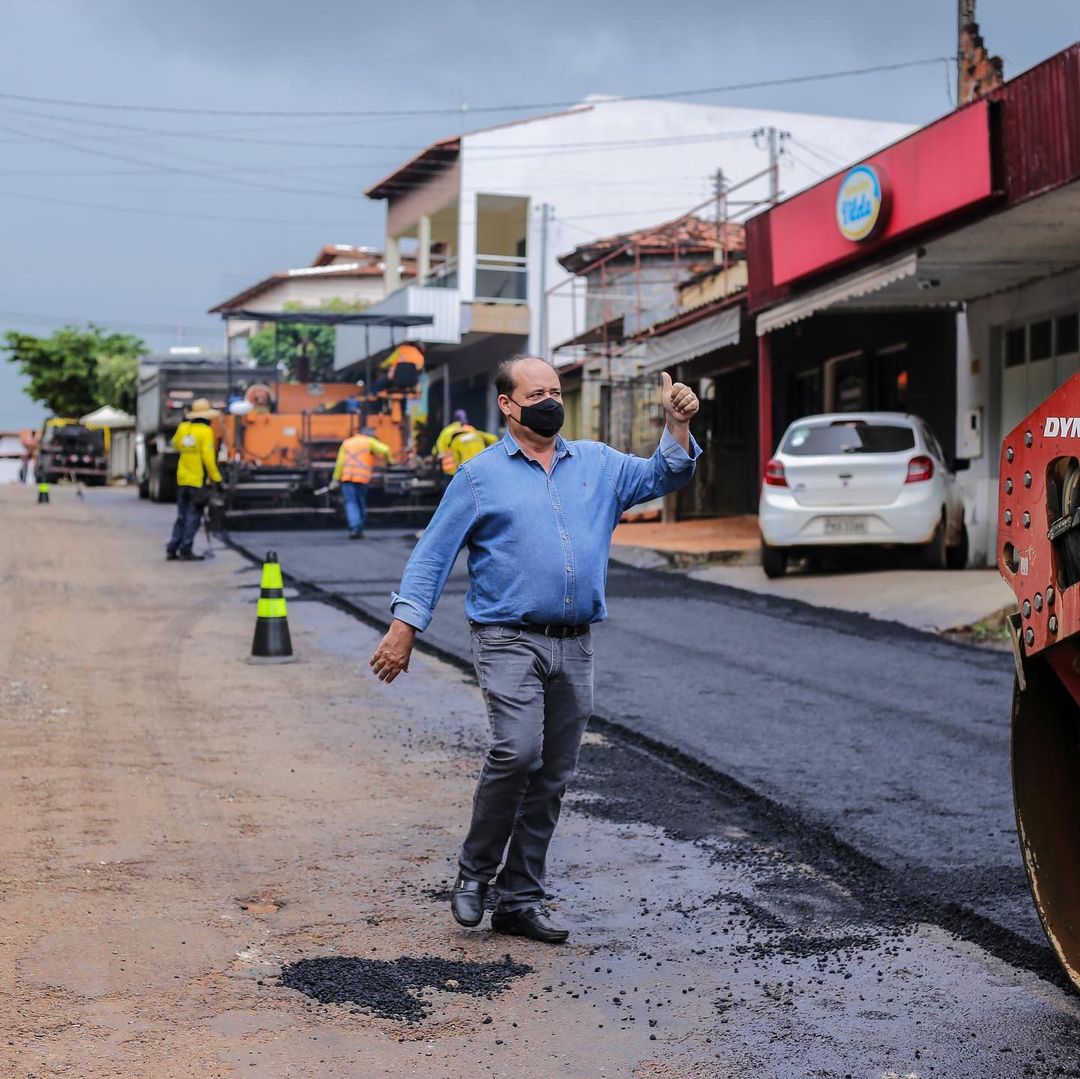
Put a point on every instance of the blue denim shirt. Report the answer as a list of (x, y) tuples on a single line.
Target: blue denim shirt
[(538, 543)]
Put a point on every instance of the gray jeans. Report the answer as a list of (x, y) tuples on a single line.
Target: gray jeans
[(539, 695)]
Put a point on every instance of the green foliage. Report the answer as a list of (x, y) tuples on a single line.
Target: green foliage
[(117, 381), (293, 338), (64, 369)]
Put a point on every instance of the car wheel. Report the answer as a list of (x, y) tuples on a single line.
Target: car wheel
[(773, 561), (957, 557), (934, 553)]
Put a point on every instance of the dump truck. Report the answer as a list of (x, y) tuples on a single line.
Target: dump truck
[(70, 450), (167, 386), (1038, 555)]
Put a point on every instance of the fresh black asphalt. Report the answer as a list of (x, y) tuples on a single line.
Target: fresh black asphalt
[(891, 742)]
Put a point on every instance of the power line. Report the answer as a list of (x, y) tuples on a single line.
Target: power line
[(228, 219), (509, 150), (135, 327), (465, 110), (180, 170)]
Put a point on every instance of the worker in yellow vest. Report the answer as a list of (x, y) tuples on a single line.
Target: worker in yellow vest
[(195, 471), (353, 471), (459, 442)]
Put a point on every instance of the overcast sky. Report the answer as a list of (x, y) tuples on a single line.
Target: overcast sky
[(141, 220)]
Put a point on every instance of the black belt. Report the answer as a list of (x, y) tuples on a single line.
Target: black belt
[(552, 629)]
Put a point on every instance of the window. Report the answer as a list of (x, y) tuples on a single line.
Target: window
[(834, 439), (1014, 347), (1039, 341), (1067, 332)]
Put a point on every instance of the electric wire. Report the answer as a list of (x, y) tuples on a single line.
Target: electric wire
[(758, 84)]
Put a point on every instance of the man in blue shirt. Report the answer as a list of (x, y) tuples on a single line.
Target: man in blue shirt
[(536, 513)]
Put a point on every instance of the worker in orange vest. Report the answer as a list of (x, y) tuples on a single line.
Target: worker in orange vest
[(403, 368), (353, 471)]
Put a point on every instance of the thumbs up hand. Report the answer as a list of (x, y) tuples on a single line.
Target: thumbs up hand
[(679, 401)]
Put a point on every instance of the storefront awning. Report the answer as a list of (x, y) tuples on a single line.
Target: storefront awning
[(995, 253), (847, 288), (689, 342)]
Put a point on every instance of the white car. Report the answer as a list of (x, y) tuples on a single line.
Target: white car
[(871, 478)]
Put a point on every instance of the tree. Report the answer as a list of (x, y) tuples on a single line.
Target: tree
[(63, 369), (295, 339), (117, 381)]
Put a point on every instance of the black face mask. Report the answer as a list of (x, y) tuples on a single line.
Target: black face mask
[(545, 419)]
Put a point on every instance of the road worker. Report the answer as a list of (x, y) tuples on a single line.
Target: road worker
[(403, 368), (352, 473), (459, 442), (196, 470)]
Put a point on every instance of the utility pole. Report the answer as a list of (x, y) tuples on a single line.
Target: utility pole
[(542, 336), (720, 188), (772, 140)]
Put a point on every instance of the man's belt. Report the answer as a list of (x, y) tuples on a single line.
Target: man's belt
[(552, 629)]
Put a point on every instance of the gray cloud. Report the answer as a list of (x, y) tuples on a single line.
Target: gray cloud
[(67, 260)]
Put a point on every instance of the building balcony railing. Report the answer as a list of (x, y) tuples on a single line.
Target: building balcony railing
[(501, 279), (444, 275)]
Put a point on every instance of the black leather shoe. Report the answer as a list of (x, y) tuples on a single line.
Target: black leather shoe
[(188, 556), (531, 922), (467, 901), (170, 556)]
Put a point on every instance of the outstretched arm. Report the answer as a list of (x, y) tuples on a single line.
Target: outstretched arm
[(671, 467), (425, 576)]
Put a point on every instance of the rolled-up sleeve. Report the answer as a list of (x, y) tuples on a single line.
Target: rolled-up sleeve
[(638, 479), (434, 555)]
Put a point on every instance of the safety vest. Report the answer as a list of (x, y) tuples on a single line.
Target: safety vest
[(403, 354), (358, 462), (195, 441), (449, 459)]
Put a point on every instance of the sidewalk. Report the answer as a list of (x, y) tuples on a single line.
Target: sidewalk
[(725, 551), (728, 540)]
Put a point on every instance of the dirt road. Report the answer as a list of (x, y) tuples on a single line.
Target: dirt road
[(196, 852)]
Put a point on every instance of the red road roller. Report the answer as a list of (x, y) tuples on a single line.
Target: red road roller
[(1038, 553)]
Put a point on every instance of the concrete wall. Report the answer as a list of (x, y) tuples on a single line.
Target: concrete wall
[(979, 386)]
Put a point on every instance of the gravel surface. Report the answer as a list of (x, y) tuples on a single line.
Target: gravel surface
[(186, 836)]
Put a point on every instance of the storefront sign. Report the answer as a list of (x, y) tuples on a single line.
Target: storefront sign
[(913, 184), (862, 204)]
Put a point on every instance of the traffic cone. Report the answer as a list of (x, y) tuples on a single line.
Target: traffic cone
[(42, 493), (272, 643)]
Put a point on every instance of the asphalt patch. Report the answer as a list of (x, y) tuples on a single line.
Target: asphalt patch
[(391, 989), (627, 778)]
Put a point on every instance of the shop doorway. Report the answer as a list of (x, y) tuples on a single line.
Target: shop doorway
[(846, 388), (1036, 358), (726, 427)]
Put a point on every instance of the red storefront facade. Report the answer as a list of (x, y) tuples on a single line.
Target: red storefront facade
[(862, 287)]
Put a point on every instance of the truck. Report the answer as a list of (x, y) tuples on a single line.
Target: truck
[(168, 384), (68, 449)]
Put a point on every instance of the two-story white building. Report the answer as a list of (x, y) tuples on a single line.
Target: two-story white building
[(487, 213)]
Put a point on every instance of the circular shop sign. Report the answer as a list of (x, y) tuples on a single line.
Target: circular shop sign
[(862, 204)]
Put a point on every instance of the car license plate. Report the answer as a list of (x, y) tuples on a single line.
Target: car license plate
[(846, 526)]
